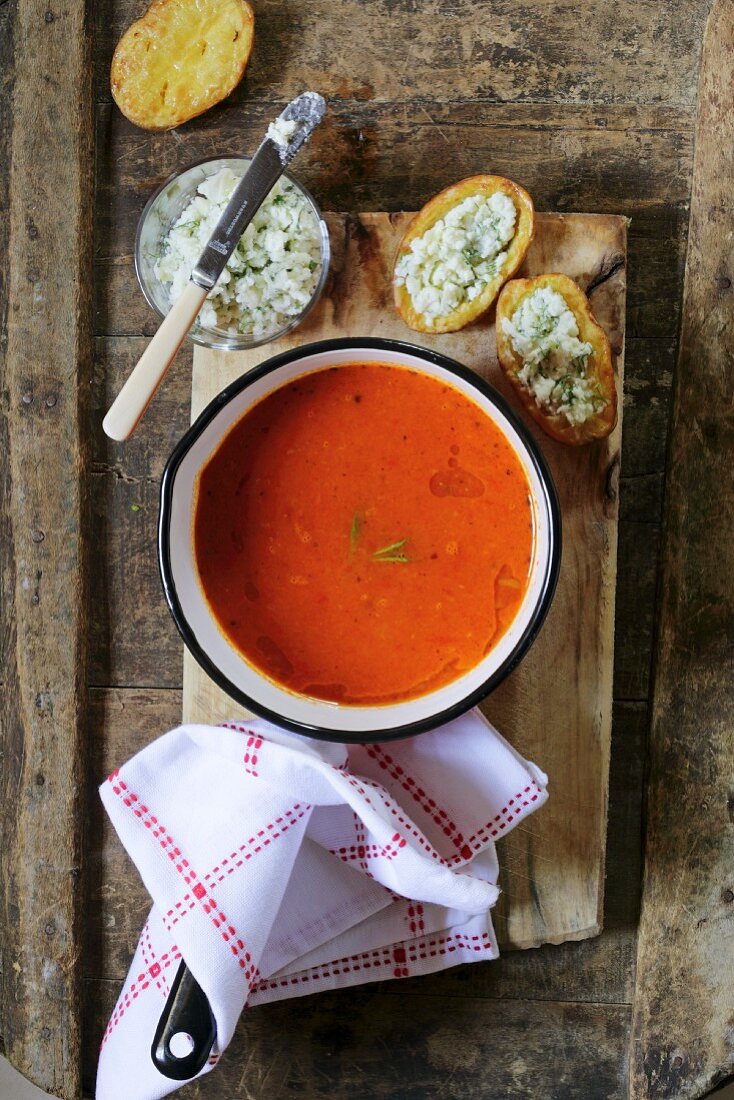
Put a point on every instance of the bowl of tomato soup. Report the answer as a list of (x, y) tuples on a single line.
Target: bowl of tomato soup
[(358, 539)]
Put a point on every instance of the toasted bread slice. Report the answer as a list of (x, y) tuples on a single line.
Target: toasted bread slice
[(181, 58), (598, 368), (439, 207)]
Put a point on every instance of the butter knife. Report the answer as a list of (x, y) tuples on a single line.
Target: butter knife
[(284, 138)]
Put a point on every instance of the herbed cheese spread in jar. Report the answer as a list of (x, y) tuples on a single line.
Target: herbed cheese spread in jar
[(271, 276)]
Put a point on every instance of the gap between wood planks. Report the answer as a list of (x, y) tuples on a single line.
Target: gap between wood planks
[(682, 115), (393, 988)]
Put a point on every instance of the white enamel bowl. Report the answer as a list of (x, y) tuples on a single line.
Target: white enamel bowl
[(244, 682)]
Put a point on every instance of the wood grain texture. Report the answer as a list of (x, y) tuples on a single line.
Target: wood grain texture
[(380, 1041), (683, 1035), (509, 51), (368, 157), (552, 871), (46, 366), (363, 158)]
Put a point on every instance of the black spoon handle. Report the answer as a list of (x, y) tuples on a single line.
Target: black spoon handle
[(186, 1010)]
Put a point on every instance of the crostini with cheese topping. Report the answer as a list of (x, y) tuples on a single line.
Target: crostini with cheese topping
[(557, 357), (459, 250)]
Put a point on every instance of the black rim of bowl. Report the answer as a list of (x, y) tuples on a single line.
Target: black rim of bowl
[(528, 636)]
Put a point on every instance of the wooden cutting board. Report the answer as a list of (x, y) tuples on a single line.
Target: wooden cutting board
[(556, 708)]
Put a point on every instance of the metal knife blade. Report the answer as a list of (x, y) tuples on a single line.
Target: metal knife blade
[(284, 138)]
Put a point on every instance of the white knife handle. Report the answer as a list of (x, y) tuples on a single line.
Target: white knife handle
[(135, 396)]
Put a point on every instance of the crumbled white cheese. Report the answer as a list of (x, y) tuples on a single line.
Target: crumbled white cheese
[(452, 262), (544, 334), (281, 131), (270, 277)]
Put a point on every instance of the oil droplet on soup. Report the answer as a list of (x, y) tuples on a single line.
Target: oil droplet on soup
[(364, 534), (456, 482)]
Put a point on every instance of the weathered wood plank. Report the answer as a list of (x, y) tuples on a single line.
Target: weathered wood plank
[(387, 1043), (647, 386), (554, 150), (637, 562), (44, 405), (641, 497), (6, 128), (682, 1041), (6, 123), (133, 640), (454, 49), (132, 636), (656, 278), (395, 159)]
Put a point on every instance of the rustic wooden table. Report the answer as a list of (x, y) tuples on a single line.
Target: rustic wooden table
[(593, 108)]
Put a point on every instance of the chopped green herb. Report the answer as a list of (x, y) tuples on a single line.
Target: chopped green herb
[(135, 507), (392, 546), (393, 552), (354, 532), (471, 256), (312, 265)]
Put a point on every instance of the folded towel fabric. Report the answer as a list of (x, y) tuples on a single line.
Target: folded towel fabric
[(280, 866)]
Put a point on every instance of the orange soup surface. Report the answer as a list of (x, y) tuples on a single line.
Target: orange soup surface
[(364, 534)]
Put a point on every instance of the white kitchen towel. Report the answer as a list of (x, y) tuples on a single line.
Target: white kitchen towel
[(280, 866)]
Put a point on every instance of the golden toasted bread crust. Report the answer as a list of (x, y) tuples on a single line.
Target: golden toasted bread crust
[(599, 364), (181, 58), (437, 208)]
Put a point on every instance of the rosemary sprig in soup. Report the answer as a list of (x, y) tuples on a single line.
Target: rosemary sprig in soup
[(393, 552)]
